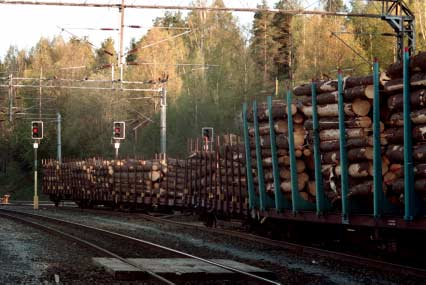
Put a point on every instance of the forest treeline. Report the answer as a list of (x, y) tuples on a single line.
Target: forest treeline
[(212, 67)]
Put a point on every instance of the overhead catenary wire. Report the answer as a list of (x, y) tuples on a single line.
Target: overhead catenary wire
[(189, 8)]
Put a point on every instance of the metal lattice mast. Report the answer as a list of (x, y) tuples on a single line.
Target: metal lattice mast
[(402, 20)]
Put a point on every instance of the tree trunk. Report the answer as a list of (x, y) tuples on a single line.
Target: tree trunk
[(333, 123), (279, 111), (363, 189), (417, 64), (321, 87), (355, 154), (357, 108), (417, 98), (395, 153), (418, 117), (334, 134), (350, 143)]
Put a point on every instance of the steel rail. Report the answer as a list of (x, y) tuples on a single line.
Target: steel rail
[(378, 264), (87, 243), (230, 268), (189, 8)]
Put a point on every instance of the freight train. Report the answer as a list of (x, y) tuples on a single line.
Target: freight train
[(335, 158)]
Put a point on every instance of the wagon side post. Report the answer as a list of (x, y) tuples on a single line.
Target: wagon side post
[(377, 159), (260, 177), (279, 205), (317, 155), (408, 144), (249, 170), (343, 154)]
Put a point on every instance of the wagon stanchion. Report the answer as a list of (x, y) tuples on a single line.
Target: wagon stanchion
[(249, 169), (293, 170), (279, 199), (343, 154), (227, 209), (408, 144), (240, 187), (219, 158), (378, 197), (260, 175), (319, 189)]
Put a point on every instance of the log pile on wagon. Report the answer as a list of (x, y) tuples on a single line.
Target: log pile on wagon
[(357, 93), (303, 151), (392, 97), (116, 181), (217, 179)]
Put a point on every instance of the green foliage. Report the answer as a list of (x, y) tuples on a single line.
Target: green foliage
[(211, 70)]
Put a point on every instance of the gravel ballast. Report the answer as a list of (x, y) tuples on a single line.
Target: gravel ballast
[(289, 267)]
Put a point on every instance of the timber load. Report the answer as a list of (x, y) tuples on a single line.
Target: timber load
[(394, 123), (217, 176), (213, 180), (357, 96), (302, 150), (154, 182)]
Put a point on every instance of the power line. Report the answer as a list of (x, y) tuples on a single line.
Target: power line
[(191, 8)]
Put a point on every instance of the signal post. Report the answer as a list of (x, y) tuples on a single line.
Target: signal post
[(37, 136)]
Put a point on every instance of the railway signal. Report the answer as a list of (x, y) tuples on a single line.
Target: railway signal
[(37, 130), (36, 135), (119, 132), (207, 134)]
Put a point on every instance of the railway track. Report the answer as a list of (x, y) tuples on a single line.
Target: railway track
[(56, 224), (299, 248)]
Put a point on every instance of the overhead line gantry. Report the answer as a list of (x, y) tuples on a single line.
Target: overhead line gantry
[(395, 12)]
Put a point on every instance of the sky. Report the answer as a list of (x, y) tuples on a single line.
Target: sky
[(23, 25)]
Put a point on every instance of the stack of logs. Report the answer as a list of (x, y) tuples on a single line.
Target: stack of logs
[(358, 93), (302, 150), (217, 179), (393, 110), (124, 181)]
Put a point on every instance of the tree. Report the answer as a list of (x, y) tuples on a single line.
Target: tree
[(106, 54), (334, 5), (282, 37), (262, 43), (323, 53), (370, 33)]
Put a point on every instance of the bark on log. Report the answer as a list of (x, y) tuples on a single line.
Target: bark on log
[(395, 153), (280, 127), (420, 170), (417, 64), (417, 99), (333, 123), (357, 108), (417, 81), (321, 87), (279, 111), (302, 179), (398, 185), (350, 143), (363, 189), (334, 134), (355, 154), (396, 135), (418, 117)]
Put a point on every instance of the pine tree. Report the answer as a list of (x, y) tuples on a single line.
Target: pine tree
[(283, 40), (106, 54), (262, 44)]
